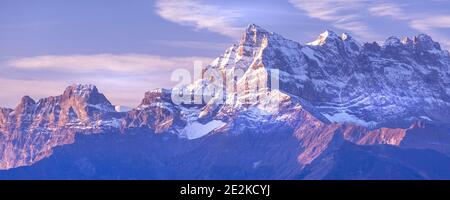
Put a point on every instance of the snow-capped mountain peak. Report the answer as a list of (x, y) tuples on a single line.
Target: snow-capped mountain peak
[(156, 95), (326, 37), (419, 43), (425, 42), (407, 41), (345, 36), (392, 41), (80, 89), (254, 35), (88, 95), (253, 28)]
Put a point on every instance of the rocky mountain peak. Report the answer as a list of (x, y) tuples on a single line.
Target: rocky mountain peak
[(87, 94), (346, 36), (26, 104), (254, 35), (392, 41), (425, 42), (80, 90), (407, 41), (418, 43), (253, 29), (351, 45), (157, 95), (327, 37), (27, 100), (343, 43)]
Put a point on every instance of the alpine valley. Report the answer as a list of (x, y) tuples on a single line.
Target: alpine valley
[(344, 110)]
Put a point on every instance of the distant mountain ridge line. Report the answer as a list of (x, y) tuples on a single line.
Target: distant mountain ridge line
[(331, 90), (405, 40)]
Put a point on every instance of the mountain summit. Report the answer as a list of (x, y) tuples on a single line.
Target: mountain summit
[(326, 37)]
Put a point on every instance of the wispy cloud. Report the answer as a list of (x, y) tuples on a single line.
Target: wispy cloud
[(329, 10), (200, 15), (431, 22), (343, 14), (388, 10), (193, 45), (129, 63), (360, 29)]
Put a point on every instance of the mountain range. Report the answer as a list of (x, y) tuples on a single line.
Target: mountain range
[(343, 110)]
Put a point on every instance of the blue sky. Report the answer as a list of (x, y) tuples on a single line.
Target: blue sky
[(129, 47)]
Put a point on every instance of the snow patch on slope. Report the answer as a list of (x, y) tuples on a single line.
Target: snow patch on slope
[(196, 130), (120, 108), (344, 117), (426, 118)]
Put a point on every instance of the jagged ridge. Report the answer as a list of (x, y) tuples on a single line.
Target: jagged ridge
[(334, 79)]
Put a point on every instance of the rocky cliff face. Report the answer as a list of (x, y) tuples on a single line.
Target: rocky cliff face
[(334, 87), (32, 129), (156, 112)]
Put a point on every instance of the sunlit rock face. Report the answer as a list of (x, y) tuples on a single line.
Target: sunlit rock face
[(32, 129), (156, 112), (337, 98)]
